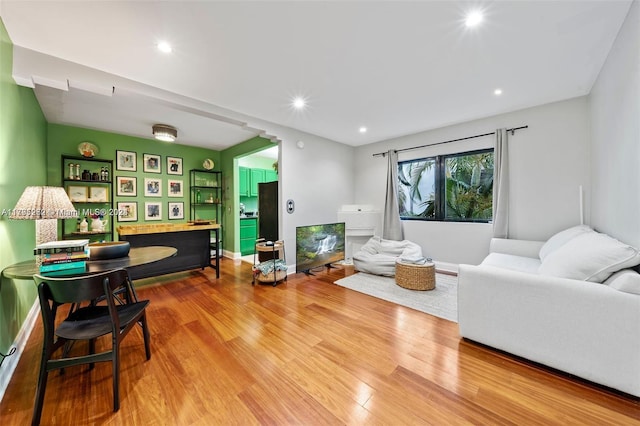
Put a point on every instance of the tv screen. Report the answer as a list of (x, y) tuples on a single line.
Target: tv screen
[(319, 245)]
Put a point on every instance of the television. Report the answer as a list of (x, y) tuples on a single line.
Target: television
[(319, 245)]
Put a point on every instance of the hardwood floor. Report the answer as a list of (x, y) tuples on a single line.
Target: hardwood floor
[(305, 352)]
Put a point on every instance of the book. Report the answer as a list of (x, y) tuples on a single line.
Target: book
[(79, 264), (57, 261), (65, 272), (64, 246), (64, 255)]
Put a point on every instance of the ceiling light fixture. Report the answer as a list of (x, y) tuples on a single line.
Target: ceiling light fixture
[(164, 47), (362, 129), (497, 92), (164, 132), (473, 18), (299, 103)]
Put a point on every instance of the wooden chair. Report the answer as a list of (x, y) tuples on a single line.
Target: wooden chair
[(112, 307)]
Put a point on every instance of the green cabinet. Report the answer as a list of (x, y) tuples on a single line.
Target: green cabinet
[(245, 181), (257, 176), (250, 178), (248, 235), (270, 176)]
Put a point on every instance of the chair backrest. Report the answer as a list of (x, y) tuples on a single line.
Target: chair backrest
[(82, 288)]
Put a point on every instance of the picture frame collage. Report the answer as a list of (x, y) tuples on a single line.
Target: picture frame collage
[(153, 186)]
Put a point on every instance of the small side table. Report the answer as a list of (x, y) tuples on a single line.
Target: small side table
[(416, 277), (277, 255)]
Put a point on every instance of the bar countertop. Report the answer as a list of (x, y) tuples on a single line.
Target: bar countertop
[(164, 227)]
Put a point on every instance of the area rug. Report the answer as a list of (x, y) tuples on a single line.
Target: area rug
[(441, 302)]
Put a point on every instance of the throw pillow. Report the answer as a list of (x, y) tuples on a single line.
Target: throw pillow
[(591, 256), (561, 238), (626, 280)]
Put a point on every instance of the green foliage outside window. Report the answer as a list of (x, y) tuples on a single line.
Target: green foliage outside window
[(469, 187), (416, 190), (453, 188)]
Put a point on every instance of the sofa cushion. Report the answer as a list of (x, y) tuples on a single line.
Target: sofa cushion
[(626, 280), (561, 238), (512, 262), (591, 256)]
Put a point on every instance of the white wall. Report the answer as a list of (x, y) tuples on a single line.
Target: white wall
[(548, 162), (318, 178), (615, 131)]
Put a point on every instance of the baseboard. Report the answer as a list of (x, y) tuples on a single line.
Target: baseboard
[(230, 254), (447, 268), (10, 363)]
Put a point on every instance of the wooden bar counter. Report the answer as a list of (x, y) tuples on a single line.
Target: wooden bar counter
[(193, 242)]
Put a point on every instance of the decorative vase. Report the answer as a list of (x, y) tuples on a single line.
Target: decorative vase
[(97, 224)]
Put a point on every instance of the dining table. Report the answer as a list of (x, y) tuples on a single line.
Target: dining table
[(137, 256)]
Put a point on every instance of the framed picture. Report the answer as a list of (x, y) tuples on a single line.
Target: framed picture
[(152, 211), (98, 194), (126, 186), (176, 210), (152, 163), (174, 166), (152, 187), (77, 194), (175, 188), (127, 212), (126, 160)]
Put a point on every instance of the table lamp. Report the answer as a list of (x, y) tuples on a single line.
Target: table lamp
[(45, 205)]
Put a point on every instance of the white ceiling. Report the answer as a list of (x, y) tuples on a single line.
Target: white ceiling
[(395, 67)]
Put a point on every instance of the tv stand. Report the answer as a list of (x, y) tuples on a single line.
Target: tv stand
[(327, 265)]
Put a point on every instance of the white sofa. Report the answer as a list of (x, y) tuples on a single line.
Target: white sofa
[(539, 301)]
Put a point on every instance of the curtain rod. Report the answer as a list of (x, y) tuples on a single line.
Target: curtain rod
[(512, 130)]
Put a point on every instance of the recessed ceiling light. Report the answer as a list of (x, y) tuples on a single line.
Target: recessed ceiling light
[(299, 103), (362, 129), (497, 92), (164, 47), (473, 18)]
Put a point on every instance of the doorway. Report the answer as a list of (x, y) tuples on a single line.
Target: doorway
[(255, 168)]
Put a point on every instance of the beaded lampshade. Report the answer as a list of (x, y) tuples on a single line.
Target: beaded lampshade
[(45, 205)]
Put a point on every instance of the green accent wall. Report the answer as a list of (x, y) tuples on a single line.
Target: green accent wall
[(30, 151), (23, 132), (65, 140), (229, 163)]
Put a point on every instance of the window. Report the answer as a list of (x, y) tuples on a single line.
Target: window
[(456, 187)]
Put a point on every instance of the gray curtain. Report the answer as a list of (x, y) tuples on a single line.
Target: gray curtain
[(392, 226), (501, 185)]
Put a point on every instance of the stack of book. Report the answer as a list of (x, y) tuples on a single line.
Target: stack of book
[(69, 256)]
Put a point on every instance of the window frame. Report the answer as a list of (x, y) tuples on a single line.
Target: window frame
[(440, 183)]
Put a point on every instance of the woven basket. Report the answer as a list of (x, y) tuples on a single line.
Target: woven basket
[(416, 277), (268, 278)]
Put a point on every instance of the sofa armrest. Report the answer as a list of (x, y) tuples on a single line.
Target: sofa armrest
[(525, 248), (584, 328)]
